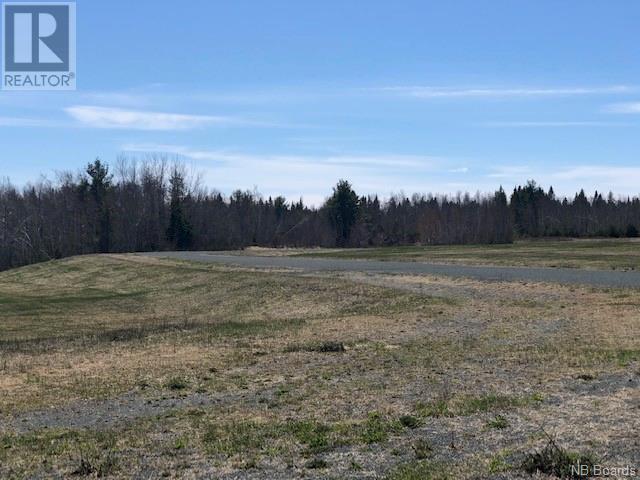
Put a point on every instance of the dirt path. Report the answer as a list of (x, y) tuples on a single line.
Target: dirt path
[(596, 278)]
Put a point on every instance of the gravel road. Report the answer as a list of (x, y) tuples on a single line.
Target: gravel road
[(596, 278)]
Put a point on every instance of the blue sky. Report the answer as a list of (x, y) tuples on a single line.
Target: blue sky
[(290, 96)]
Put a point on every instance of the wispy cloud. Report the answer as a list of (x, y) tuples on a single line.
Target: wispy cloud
[(430, 92), (106, 117), (554, 124), (618, 174), (509, 171), (126, 99), (625, 107), (310, 176), (568, 180), (26, 122), (165, 97), (225, 156)]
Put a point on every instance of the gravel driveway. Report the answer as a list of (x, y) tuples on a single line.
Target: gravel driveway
[(596, 278)]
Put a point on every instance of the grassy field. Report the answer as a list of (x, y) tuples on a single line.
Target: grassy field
[(617, 254), (120, 366)]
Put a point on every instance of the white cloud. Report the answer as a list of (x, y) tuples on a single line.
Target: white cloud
[(627, 107), (429, 92), (106, 117)]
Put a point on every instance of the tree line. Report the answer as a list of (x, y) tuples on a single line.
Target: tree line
[(156, 205)]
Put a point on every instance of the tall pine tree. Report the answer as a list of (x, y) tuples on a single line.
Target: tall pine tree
[(179, 233)]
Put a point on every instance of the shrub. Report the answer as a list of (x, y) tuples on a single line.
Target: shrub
[(410, 421), (555, 460), (499, 422), (422, 449), (320, 347), (316, 463), (177, 383)]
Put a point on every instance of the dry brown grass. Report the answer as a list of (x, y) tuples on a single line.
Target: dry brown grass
[(602, 253), (473, 348)]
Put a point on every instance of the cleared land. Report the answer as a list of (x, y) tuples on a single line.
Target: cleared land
[(126, 366), (270, 259), (616, 254)]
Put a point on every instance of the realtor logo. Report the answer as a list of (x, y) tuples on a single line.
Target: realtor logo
[(39, 46)]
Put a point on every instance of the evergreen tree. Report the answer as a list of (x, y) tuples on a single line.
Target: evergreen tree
[(343, 207), (179, 233), (99, 189)]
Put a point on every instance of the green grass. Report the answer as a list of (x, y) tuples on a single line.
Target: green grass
[(376, 428), (87, 452), (582, 253), (435, 408), (420, 470), (465, 405), (588, 357), (273, 437), (499, 463), (23, 304)]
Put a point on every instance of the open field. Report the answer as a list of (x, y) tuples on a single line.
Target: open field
[(619, 254), (123, 366), (274, 259)]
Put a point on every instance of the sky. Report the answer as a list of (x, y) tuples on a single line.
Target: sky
[(395, 96)]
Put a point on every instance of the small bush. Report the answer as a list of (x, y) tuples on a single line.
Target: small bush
[(316, 463), (555, 460), (107, 465), (422, 449), (410, 421), (319, 347), (100, 464), (330, 347), (85, 467), (499, 422), (177, 383)]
